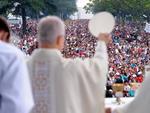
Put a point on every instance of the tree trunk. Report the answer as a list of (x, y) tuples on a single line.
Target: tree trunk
[(23, 14)]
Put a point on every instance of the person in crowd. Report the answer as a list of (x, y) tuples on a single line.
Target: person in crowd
[(64, 85), (126, 89), (15, 89), (109, 93)]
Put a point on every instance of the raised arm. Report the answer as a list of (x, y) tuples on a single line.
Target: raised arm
[(96, 67), (101, 56)]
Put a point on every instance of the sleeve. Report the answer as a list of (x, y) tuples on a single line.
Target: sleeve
[(98, 65), (16, 94), (101, 56)]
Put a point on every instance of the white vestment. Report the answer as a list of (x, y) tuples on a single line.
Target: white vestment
[(68, 86), (141, 103), (15, 89)]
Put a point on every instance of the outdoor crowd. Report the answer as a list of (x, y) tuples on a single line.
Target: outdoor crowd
[(128, 54)]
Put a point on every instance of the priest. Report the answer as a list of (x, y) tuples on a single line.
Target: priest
[(63, 85)]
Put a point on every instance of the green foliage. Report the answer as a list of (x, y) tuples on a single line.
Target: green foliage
[(34, 7), (37, 8), (122, 8), (65, 8)]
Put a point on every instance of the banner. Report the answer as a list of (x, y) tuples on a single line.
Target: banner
[(147, 27)]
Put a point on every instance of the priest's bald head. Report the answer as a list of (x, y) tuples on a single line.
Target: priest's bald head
[(51, 32)]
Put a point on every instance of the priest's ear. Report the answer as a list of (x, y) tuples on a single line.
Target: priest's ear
[(60, 42)]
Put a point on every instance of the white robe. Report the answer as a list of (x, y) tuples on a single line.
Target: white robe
[(15, 89), (68, 86), (141, 103)]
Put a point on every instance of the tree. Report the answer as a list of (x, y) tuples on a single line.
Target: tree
[(21, 7), (121, 8), (37, 8), (65, 8)]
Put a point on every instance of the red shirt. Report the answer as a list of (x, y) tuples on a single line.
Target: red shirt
[(139, 79)]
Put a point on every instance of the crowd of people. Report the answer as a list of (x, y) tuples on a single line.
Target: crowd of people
[(27, 42), (128, 54)]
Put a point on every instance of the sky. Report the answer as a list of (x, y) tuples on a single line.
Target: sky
[(82, 3), (81, 12)]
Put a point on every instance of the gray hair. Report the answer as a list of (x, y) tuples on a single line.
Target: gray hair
[(49, 28)]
